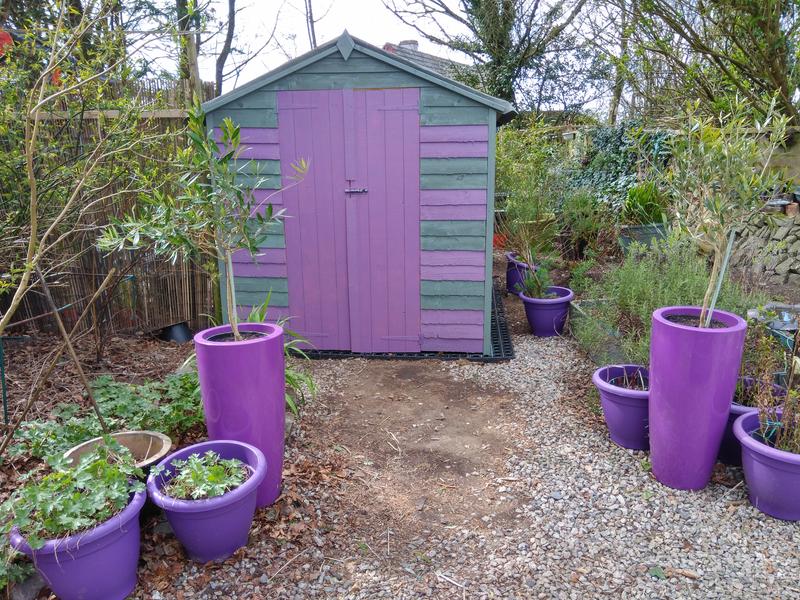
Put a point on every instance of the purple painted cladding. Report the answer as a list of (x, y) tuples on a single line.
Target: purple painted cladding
[(454, 331), (259, 270), (256, 143), (459, 258), (265, 256), (454, 133), (447, 345), (452, 317), (454, 149), (453, 273), (452, 197), (453, 213)]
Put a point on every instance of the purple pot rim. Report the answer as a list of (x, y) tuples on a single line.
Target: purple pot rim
[(745, 425), (74, 542), (602, 384), (566, 298), (733, 322), (512, 258), (169, 503), (271, 329)]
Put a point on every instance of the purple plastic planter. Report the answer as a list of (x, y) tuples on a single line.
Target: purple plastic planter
[(730, 450), (215, 528), (693, 375), (243, 389), (772, 476), (98, 564), (625, 410), (547, 316), (515, 272)]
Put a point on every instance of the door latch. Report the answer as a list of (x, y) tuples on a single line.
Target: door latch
[(355, 191)]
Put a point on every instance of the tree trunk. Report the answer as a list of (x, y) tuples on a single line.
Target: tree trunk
[(226, 47)]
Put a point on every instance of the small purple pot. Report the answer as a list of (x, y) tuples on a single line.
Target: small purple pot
[(772, 476), (693, 375), (516, 272), (215, 528), (547, 316), (243, 389), (625, 410), (98, 564), (730, 450)]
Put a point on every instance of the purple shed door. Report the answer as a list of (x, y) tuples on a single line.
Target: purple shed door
[(353, 257)]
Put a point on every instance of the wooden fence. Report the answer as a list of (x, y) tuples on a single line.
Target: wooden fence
[(149, 292)]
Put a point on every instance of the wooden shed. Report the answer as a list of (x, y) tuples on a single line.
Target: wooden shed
[(386, 245)]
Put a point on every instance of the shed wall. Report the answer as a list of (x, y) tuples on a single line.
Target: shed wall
[(456, 191)]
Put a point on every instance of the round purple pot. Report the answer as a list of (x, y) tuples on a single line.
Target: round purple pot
[(547, 316), (693, 375), (215, 528), (243, 389), (625, 410), (772, 476), (98, 564), (516, 270), (730, 450)]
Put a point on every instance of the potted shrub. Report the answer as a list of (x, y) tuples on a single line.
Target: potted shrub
[(763, 356), (546, 305), (770, 439), (240, 366), (516, 271), (80, 525), (715, 180), (644, 216), (208, 492), (623, 396)]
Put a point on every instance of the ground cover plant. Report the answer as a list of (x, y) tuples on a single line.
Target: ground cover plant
[(172, 406), (614, 325)]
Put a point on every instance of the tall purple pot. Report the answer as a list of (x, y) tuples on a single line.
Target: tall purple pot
[(772, 475), (624, 410), (693, 375), (98, 564), (214, 528), (243, 389), (516, 270), (547, 316)]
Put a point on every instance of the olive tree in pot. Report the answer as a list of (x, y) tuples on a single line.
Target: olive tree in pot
[(717, 179), (208, 492), (80, 525), (770, 439), (241, 366)]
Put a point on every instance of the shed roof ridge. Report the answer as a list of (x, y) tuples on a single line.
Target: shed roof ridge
[(344, 40)]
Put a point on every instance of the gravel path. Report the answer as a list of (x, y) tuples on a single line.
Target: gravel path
[(540, 505)]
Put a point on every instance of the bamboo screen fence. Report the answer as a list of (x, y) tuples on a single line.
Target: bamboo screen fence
[(149, 292)]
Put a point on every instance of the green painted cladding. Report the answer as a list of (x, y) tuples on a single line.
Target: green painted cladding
[(439, 106)]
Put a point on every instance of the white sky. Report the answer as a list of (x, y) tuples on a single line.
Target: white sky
[(369, 20)]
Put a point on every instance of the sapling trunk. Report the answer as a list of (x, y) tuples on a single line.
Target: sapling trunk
[(705, 314), (231, 296)]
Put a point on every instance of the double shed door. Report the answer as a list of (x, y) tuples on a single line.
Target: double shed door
[(352, 225)]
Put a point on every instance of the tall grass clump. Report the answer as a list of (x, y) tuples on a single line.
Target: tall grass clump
[(614, 326)]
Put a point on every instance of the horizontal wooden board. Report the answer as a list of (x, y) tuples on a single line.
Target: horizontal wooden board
[(251, 269), (453, 182), (324, 81), (452, 317), (453, 149), (466, 212), (452, 197), (445, 345), (263, 182), (257, 298), (455, 331), (454, 115), (258, 135), (454, 133), (274, 313), (452, 302), (272, 241), (452, 288), (255, 99), (453, 272), (260, 284), (356, 63), (257, 167), (454, 228), (438, 96), (453, 166), (265, 256), (244, 117), (452, 242), (454, 257)]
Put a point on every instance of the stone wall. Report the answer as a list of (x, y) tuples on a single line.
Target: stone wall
[(771, 249)]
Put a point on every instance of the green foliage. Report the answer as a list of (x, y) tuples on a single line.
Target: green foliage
[(579, 279), (205, 476), (615, 326), (171, 406), (537, 281), (644, 205), (585, 221), (69, 500)]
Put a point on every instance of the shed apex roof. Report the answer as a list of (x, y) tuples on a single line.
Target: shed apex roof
[(345, 44)]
